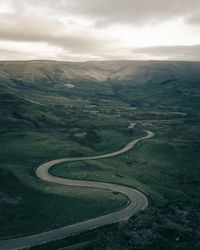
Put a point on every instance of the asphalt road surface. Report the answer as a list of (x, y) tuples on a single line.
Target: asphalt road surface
[(137, 201)]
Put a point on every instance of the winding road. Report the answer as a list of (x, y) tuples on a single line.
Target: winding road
[(137, 201)]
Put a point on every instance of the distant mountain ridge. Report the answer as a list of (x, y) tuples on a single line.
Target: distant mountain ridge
[(32, 71), (38, 94)]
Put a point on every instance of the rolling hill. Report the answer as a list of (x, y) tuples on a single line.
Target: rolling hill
[(50, 110)]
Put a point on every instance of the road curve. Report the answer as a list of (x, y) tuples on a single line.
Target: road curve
[(137, 201)]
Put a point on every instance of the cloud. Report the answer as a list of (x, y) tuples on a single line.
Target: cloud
[(106, 29), (106, 12), (135, 12), (28, 51), (194, 19), (24, 28), (190, 53)]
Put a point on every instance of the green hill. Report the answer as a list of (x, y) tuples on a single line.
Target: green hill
[(51, 110)]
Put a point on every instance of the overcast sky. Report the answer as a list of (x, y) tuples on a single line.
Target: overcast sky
[(82, 30)]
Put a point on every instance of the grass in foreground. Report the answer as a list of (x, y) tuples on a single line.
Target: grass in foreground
[(25, 211)]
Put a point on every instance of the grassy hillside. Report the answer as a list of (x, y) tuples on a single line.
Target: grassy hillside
[(50, 110), (26, 210)]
